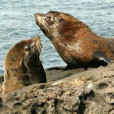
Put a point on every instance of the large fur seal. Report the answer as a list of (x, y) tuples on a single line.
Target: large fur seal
[(23, 66), (75, 42)]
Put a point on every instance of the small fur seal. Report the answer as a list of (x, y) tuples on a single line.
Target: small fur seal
[(75, 42), (23, 66)]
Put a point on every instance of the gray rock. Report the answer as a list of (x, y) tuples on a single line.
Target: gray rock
[(81, 92)]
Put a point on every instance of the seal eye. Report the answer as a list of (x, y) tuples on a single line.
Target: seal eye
[(27, 48), (61, 20), (48, 17), (32, 45)]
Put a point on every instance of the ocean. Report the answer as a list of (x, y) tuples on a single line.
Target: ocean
[(17, 22)]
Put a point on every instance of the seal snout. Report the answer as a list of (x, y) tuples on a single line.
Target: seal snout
[(39, 18), (38, 14), (37, 44)]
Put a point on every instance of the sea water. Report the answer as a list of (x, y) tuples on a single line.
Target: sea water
[(17, 23)]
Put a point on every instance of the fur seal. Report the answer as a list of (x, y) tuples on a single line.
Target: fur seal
[(23, 66), (75, 42)]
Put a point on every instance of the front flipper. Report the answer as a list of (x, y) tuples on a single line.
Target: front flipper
[(103, 61), (100, 59)]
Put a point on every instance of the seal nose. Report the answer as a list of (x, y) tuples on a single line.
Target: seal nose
[(36, 40), (38, 17)]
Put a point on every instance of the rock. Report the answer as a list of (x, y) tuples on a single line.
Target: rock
[(81, 92), (1, 78), (57, 73)]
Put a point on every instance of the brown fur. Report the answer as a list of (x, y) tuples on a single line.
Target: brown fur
[(21, 69), (74, 41)]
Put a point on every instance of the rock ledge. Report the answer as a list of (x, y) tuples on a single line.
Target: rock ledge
[(87, 92)]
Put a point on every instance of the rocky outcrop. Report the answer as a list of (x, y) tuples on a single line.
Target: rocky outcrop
[(81, 92)]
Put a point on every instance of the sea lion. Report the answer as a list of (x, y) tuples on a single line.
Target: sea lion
[(75, 42), (23, 66)]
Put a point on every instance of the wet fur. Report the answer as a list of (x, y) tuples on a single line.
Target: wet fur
[(75, 42), (17, 74)]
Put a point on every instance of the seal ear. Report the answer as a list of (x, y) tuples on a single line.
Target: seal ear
[(22, 62), (23, 65)]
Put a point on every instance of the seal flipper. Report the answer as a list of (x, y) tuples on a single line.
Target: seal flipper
[(104, 61), (100, 59)]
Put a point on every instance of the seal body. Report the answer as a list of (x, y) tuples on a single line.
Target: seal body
[(75, 42), (23, 66)]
